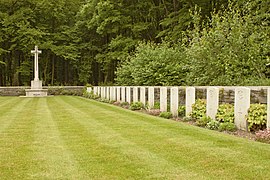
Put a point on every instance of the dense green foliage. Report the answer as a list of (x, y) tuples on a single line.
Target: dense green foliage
[(166, 115), (198, 109), (136, 106), (225, 113), (257, 117), (232, 48), (153, 42)]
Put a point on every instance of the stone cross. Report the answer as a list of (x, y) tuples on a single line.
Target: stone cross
[(36, 52)]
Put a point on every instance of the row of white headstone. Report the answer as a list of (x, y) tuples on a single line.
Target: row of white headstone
[(241, 101)]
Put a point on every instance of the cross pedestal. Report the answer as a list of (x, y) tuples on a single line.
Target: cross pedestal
[(36, 85)]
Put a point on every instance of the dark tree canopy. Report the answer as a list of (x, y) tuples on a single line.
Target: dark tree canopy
[(84, 42)]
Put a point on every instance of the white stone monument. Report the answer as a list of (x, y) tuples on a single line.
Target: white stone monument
[(135, 94), (89, 89), (95, 90), (163, 99), (212, 102), (118, 94), (268, 108), (123, 94), (128, 98), (142, 95), (174, 103), (108, 93), (151, 97), (241, 106), (36, 85), (190, 99)]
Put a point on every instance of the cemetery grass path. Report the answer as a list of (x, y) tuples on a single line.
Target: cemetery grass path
[(66, 137)]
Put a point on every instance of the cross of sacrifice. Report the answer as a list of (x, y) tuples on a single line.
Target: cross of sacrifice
[(36, 52)]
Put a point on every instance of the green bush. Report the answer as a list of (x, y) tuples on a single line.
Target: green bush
[(124, 105), (227, 126), (136, 106), (166, 115), (257, 117), (225, 113), (213, 125), (187, 119), (182, 111), (202, 122), (157, 105), (198, 109)]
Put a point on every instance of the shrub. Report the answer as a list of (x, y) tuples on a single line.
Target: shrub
[(182, 111), (124, 104), (187, 119), (202, 122), (166, 115), (213, 125), (136, 106), (225, 113), (156, 105), (198, 109), (227, 126), (257, 117), (105, 100), (263, 136)]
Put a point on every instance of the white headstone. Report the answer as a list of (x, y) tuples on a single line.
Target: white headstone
[(212, 102), (268, 108), (128, 94), (241, 106), (89, 89), (123, 94), (135, 94), (151, 97), (174, 103), (190, 99), (96, 90), (113, 95), (142, 95), (163, 99), (118, 94), (99, 91), (108, 93)]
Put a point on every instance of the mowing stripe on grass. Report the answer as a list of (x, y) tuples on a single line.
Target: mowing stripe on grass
[(53, 160), (141, 158), (76, 138), (15, 140)]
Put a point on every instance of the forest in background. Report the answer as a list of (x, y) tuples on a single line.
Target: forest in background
[(150, 42)]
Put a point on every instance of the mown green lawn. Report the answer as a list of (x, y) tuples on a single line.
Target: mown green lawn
[(66, 137)]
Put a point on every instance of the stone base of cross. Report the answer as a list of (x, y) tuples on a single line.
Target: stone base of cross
[(36, 84)]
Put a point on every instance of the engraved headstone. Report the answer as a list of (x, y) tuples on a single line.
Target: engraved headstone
[(118, 94), (108, 93), (135, 94), (190, 99), (128, 95), (212, 102), (142, 95), (163, 99), (268, 108), (123, 94), (241, 106), (151, 97), (174, 101)]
